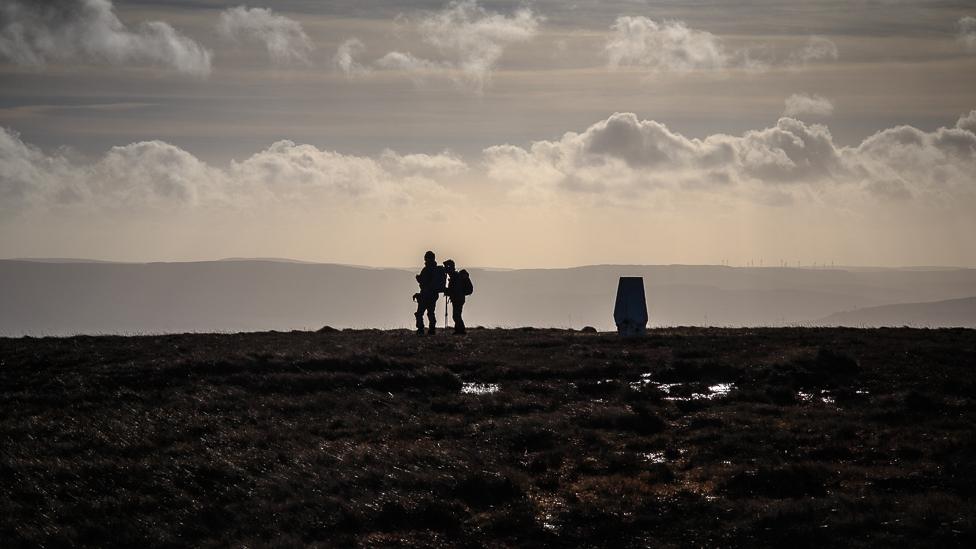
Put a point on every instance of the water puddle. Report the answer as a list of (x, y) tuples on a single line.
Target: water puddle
[(715, 391), (823, 396), (654, 457), (472, 388)]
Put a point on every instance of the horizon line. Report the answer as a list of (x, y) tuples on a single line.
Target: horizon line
[(806, 266)]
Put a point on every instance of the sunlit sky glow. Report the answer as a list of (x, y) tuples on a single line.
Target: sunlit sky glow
[(507, 134)]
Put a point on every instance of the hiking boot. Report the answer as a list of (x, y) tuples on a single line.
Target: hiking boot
[(431, 331), (460, 332), (420, 331)]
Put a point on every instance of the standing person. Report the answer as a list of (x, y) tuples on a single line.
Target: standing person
[(458, 289), (431, 280)]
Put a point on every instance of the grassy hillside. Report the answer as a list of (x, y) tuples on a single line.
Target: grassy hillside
[(687, 437)]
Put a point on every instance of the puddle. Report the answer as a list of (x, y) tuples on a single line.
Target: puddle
[(823, 396), (646, 380), (716, 391), (720, 390), (654, 457), (472, 388)]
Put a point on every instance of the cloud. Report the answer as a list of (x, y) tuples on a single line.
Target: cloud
[(967, 33), (622, 160), (968, 122), (445, 163), (27, 175), (623, 157), (152, 173), (34, 33), (284, 38), (345, 57), (159, 175), (800, 104), (417, 68), (817, 48), (673, 46), (471, 40), (667, 46)]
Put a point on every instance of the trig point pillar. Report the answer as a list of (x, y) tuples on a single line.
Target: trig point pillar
[(630, 312)]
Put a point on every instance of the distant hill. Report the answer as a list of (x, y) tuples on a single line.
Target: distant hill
[(949, 313), (52, 298)]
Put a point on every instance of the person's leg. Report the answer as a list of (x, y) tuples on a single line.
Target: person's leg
[(420, 314), (458, 306), (432, 314)]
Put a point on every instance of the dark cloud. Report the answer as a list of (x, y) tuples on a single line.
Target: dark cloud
[(34, 33)]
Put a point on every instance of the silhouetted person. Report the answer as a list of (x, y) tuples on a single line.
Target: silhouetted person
[(458, 289), (431, 280)]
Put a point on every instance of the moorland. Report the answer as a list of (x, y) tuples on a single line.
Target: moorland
[(524, 437)]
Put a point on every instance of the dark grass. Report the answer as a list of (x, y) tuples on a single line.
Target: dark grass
[(364, 438)]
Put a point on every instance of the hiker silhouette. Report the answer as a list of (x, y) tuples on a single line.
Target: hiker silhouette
[(457, 291), (432, 279)]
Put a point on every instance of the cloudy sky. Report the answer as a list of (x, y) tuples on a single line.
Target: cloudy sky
[(508, 134)]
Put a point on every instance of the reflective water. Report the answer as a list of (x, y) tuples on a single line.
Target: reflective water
[(718, 390), (654, 457), (823, 396), (472, 388)]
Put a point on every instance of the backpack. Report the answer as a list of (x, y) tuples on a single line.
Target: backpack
[(440, 278), (467, 288)]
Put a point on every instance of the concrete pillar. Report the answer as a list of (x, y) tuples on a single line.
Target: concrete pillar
[(630, 311)]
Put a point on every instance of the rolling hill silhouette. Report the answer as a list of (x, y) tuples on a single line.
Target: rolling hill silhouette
[(951, 312), (52, 298)]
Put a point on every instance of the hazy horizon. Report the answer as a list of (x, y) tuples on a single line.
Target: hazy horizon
[(757, 265), (50, 298)]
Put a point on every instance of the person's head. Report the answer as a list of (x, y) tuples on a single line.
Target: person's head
[(429, 257), (449, 265)]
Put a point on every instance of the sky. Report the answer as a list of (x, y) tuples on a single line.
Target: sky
[(545, 133)]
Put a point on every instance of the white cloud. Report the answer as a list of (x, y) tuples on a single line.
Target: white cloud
[(666, 46), (155, 174), (422, 164), (345, 57), (27, 175), (817, 48), (967, 33), (621, 160), (623, 156), (673, 46), (284, 38), (800, 104), (471, 40), (33, 33), (152, 173), (410, 63)]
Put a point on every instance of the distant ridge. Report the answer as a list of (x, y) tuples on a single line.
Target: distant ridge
[(61, 260), (273, 259), (949, 313), (58, 298), (848, 268)]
